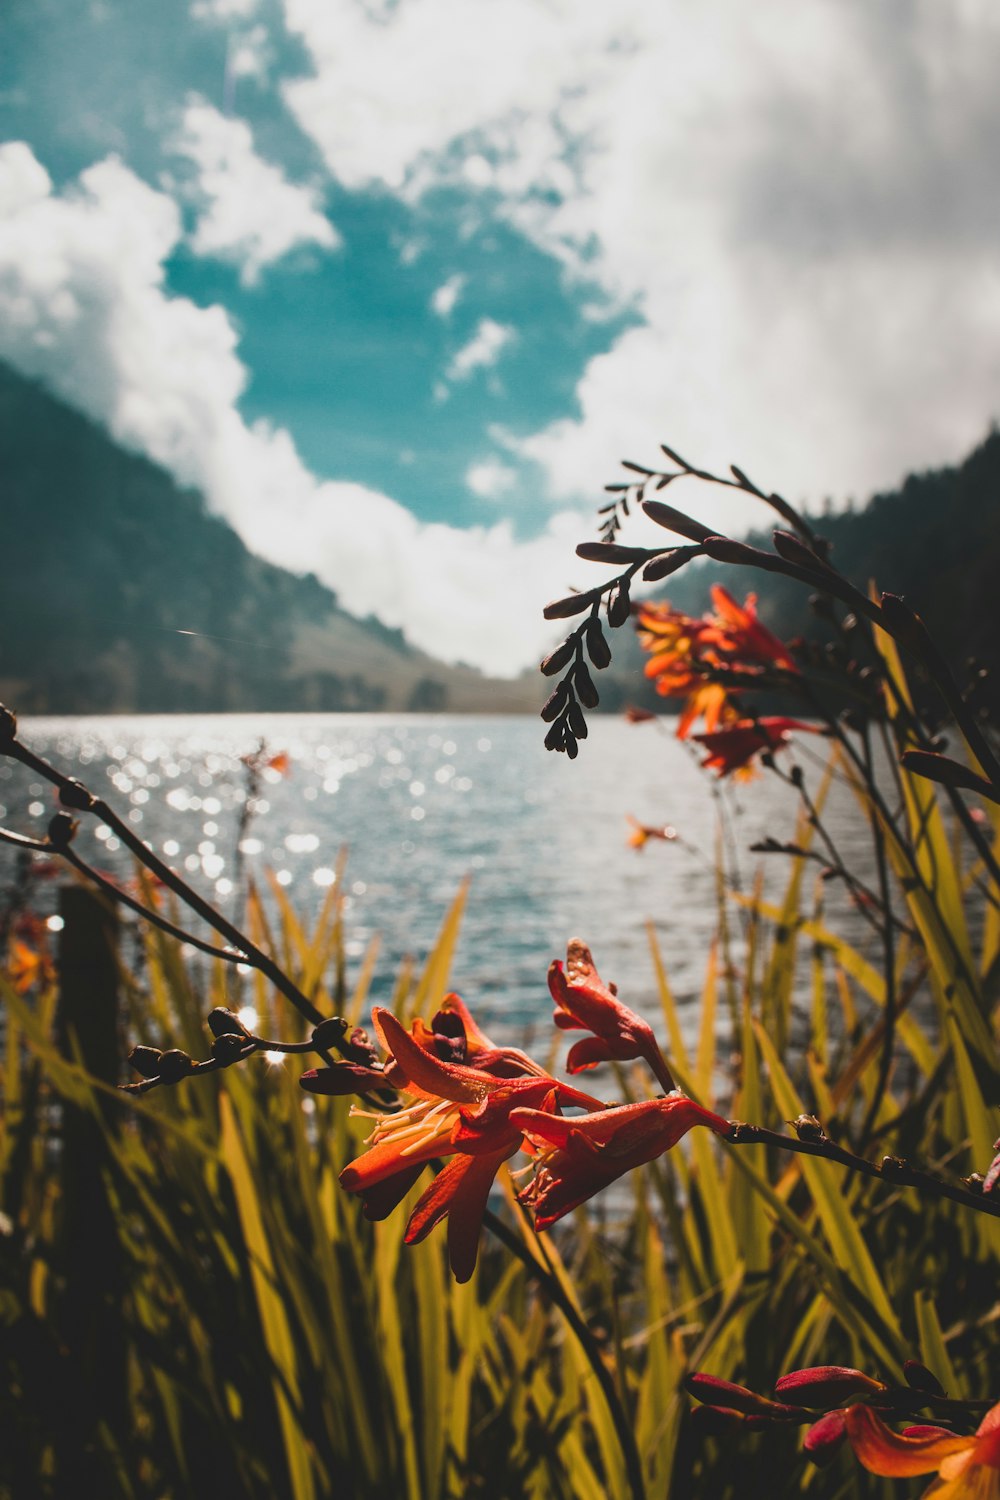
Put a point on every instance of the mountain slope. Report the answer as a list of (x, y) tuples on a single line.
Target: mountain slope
[(121, 592)]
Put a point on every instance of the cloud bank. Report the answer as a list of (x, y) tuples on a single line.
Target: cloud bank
[(800, 201), (84, 308)]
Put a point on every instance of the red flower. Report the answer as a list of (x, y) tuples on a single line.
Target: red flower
[(966, 1466), (574, 1159), (733, 748), (453, 1109), (585, 1003)]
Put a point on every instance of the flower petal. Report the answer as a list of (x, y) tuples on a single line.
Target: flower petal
[(889, 1453)]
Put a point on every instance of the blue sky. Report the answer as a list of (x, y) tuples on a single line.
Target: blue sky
[(397, 284)]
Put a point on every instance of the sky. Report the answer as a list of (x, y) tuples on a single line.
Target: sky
[(398, 284)]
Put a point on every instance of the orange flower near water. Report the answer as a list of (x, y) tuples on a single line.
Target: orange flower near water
[(684, 653), (731, 750), (639, 834), (968, 1468), (452, 1110), (574, 1159)]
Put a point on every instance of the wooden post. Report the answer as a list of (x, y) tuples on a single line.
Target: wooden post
[(90, 1264)]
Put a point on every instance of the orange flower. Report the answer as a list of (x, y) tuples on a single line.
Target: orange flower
[(731, 750), (640, 833), (451, 1109), (574, 1159), (968, 1468), (685, 653), (27, 966), (585, 1003)]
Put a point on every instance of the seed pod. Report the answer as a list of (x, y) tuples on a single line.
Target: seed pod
[(557, 659), (584, 684), (597, 647), (175, 1065), (146, 1060), (555, 702)]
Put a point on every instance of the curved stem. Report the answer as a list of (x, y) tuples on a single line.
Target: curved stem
[(587, 1342)]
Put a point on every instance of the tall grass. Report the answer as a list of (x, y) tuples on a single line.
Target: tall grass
[(249, 1333)]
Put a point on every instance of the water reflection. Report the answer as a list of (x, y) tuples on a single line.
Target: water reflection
[(420, 803)]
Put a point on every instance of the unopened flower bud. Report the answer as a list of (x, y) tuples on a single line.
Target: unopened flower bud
[(175, 1065), (827, 1385), (329, 1033), (62, 830), (919, 1378), (74, 794), (223, 1022), (146, 1060), (228, 1048)]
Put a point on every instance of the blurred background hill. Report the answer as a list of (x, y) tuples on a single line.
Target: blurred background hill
[(123, 593)]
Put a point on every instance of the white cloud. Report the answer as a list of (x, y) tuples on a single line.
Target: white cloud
[(491, 478), (84, 308), (447, 294), (800, 201), (482, 351), (250, 213)]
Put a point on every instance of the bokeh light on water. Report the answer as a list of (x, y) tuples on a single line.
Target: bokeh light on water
[(421, 802)]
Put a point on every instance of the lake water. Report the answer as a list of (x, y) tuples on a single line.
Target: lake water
[(420, 802)]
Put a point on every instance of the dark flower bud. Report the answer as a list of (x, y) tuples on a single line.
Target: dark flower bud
[(228, 1049), (619, 606), (556, 735), (62, 830), (570, 745), (8, 725), (573, 604), (225, 1023), (808, 1128), (329, 1033), (146, 1060), (341, 1079), (597, 647), (175, 1065), (903, 622), (575, 720), (827, 1385), (919, 1378), (610, 552), (676, 520), (584, 684), (557, 659), (555, 702), (74, 794), (718, 1392)]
